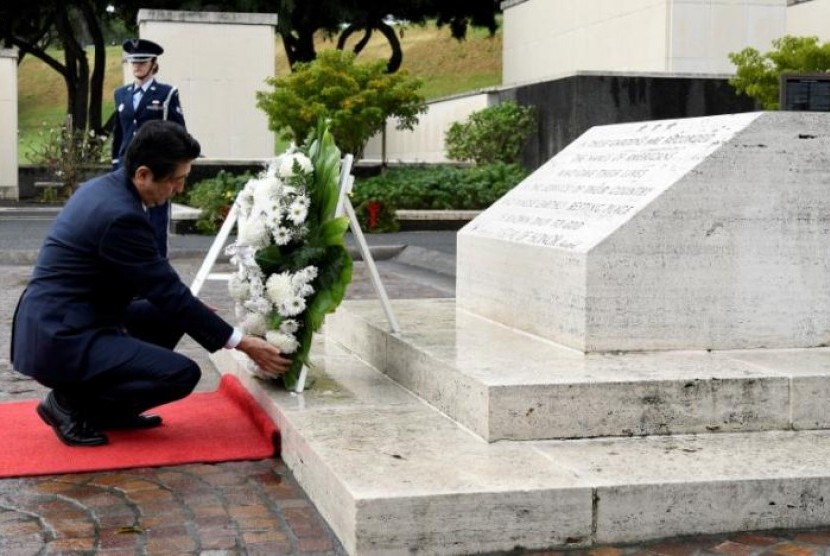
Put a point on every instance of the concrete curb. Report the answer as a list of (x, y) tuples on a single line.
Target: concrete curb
[(410, 255), (434, 261)]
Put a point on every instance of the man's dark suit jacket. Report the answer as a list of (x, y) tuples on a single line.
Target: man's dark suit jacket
[(99, 255)]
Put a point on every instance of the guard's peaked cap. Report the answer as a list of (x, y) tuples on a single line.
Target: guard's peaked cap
[(141, 49)]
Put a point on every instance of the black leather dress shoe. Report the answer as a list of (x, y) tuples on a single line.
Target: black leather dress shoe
[(70, 428), (127, 421)]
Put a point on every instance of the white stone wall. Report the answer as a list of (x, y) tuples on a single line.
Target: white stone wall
[(8, 124), (809, 18), (703, 32), (545, 39), (425, 143), (218, 61)]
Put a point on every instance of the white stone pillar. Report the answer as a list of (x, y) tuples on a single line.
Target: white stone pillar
[(218, 61), (8, 125)]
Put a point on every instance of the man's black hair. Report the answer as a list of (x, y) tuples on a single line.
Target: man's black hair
[(161, 145)]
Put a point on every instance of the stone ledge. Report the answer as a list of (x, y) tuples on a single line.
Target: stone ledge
[(392, 476), (505, 384), (404, 214)]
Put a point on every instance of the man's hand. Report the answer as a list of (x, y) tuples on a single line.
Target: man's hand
[(266, 356)]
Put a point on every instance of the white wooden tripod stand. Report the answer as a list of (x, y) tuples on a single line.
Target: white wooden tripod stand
[(344, 206)]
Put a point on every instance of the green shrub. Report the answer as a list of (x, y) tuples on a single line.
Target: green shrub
[(355, 99), (495, 134), (423, 187), (215, 197)]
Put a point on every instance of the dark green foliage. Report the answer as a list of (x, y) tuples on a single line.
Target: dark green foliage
[(439, 187), (495, 134), (425, 187), (215, 197)]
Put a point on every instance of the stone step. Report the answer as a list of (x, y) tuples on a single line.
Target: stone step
[(506, 384), (392, 475)]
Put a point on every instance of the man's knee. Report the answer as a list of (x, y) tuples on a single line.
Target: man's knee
[(186, 376)]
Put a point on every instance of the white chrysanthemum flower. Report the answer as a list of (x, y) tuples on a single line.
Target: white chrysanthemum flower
[(245, 199), (265, 190), (232, 251), (297, 211), (283, 342), (256, 285), (291, 307), (282, 235), (272, 217), (289, 326), (286, 168), (239, 287), (255, 323), (274, 164), (254, 233), (305, 290), (244, 257), (307, 274), (239, 312), (259, 305), (278, 287)]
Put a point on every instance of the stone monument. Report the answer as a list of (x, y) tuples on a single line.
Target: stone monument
[(648, 247), (699, 233)]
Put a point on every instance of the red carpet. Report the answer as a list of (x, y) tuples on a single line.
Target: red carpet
[(223, 425)]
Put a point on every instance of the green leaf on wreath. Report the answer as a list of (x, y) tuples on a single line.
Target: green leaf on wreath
[(332, 231), (269, 259)]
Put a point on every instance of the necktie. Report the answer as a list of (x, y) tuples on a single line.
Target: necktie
[(137, 96)]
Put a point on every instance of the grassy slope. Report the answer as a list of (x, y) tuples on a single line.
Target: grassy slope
[(445, 66)]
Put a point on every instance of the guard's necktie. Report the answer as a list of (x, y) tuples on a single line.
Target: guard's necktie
[(137, 96)]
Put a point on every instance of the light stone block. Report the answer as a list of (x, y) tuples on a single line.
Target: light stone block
[(668, 486), (505, 384), (809, 375), (393, 476), (699, 233)]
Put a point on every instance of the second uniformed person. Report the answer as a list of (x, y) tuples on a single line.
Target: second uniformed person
[(143, 100)]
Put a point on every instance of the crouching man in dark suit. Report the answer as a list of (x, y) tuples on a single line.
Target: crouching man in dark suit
[(103, 311)]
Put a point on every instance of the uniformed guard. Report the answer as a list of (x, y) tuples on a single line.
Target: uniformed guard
[(143, 100)]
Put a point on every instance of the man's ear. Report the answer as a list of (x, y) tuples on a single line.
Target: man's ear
[(143, 174)]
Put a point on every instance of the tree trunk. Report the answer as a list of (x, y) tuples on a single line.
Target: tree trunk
[(96, 82), (299, 45), (76, 73)]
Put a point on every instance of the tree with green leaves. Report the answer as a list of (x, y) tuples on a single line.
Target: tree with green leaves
[(36, 27), (300, 20), (758, 75), (78, 27), (356, 99)]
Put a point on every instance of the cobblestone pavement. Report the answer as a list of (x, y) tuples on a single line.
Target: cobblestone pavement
[(253, 507)]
